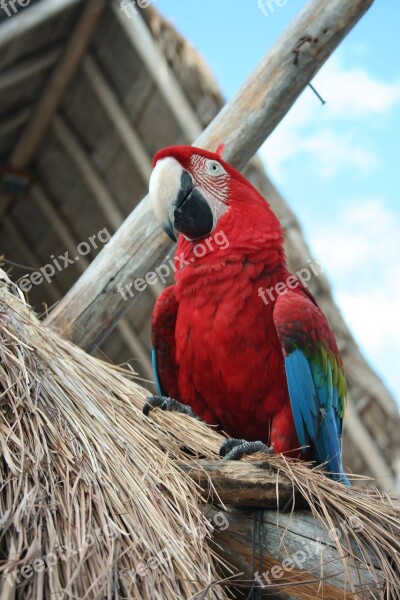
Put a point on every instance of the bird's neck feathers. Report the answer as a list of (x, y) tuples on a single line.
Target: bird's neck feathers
[(247, 230)]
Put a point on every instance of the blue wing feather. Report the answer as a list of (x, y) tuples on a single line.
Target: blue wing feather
[(155, 372), (315, 408), (314, 373), (302, 390)]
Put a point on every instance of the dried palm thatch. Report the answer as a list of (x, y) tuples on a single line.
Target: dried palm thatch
[(86, 484), (90, 483)]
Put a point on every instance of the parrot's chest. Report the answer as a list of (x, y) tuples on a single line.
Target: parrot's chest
[(230, 361)]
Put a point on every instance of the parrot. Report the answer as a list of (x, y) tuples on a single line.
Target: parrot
[(265, 371)]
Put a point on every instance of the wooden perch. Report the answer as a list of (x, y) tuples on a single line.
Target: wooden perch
[(294, 556), (240, 483), (93, 306), (297, 551)]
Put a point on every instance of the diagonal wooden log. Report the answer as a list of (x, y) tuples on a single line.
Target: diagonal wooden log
[(93, 306)]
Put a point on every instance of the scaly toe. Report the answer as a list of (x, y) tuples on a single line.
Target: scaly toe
[(166, 403), (154, 402), (229, 444), (246, 448)]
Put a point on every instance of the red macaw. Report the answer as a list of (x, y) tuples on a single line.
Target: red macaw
[(269, 373)]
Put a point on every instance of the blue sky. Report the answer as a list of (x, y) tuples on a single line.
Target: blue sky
[(338, 165)]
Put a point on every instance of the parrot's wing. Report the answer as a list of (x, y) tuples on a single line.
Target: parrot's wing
[(315, 376), (163, 342)]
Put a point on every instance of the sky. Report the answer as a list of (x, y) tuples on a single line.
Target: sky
[(337, 165)]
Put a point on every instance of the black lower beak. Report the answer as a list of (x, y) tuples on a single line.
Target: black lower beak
[(192, 215)]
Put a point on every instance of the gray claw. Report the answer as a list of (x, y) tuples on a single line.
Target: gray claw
[(166, 403), (234, 449)]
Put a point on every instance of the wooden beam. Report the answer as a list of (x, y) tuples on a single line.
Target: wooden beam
[(292, 556), (28, 254), (368, 449), (129, 137), (56, 88), (132, 341), (93, 306), (167, 84), (103, 197), (14, 122), (28, 67), (257, 541), (59, 81), (26, 20)]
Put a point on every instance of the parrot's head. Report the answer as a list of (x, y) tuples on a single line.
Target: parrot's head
[(194, 191)]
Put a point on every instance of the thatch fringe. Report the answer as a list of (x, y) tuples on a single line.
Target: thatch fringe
[(88, 487)]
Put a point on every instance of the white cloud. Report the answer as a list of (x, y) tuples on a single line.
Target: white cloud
[(329, 150), (364, 237), (362, 254), (353, 93), (327, 134), (373, 317)]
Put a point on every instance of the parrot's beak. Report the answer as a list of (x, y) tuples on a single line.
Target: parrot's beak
[(178, 204)]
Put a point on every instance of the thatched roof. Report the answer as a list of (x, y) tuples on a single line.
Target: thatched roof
[(91, 168), (89, 486)]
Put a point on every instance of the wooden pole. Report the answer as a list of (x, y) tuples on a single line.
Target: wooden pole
[(287, 553), (93, 306), (291, 557)]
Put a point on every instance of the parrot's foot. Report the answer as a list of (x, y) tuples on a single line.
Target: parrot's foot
[(233, 449), (166, 403)]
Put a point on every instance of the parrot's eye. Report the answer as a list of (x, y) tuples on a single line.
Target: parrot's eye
[(214, 168)]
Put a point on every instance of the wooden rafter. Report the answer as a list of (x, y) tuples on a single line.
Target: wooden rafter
[(167, 84), (69, 241), (108, 99), (101, 194), (49, 101), (17, 27), (18, 74)]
